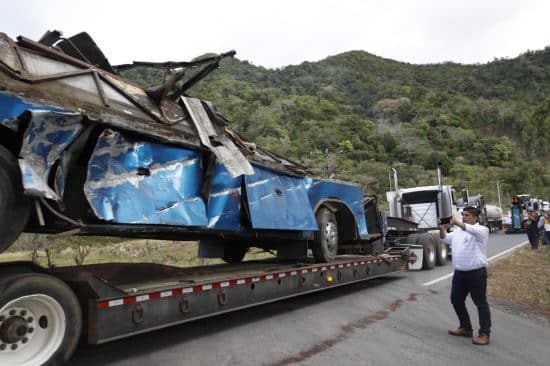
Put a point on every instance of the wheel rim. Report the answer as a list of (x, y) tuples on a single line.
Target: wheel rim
[(331, 237), (31, 330)]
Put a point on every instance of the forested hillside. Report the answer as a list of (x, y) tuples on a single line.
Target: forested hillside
[(356, 115)]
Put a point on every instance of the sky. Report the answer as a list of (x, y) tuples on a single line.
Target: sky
[(278, 33)]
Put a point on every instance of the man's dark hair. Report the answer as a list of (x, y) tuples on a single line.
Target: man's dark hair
[(474, 211)]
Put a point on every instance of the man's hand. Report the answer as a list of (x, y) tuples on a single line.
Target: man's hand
[(454, 221), (458, 223)]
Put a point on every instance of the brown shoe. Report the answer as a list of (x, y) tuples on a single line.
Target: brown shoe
[(461, 332), (481, 340)]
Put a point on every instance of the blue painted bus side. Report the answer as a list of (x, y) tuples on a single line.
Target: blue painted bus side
[(137, 182)]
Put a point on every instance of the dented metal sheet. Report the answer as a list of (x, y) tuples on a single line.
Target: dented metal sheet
[(278, 201), (41, 73), (350, 194), (11, 107), (215, 138), (47, 136), (131, 181), (224, 200)]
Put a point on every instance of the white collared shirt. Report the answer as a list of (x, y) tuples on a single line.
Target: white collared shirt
[(469, 247)]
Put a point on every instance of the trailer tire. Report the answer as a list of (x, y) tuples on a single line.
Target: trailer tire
[(325, 240), (429, 251), (441, 251), (14, 206), (234, 253), (41, 320)]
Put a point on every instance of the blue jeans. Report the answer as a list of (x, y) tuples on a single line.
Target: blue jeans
[(473, 283), (547, 238)]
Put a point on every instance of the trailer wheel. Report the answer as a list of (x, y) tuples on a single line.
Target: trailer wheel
[(234, 252), (325, 241), (429, 254), (14, 206), (40, 320), (440, 251)]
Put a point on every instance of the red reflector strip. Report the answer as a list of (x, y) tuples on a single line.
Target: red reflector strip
[(197, 288), (129, 300), (216, 285)]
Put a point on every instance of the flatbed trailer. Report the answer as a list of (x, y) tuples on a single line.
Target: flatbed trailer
[(49, 309)]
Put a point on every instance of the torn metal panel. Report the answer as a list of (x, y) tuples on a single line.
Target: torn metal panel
[(215, 139), (350, 194), (278, 201), (224, 200), (8, 55), (11, 107), (137, 182), (47, 136), (46, 75)]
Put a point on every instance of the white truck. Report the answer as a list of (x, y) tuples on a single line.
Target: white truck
[(424, 205)]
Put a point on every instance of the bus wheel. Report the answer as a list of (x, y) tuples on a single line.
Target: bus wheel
[(325, 241)]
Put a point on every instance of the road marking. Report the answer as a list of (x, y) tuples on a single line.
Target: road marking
[(490, 259)]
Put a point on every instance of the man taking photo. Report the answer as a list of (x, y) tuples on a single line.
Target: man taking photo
[(469, 251)]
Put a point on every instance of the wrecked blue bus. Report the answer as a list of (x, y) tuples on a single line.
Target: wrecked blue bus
[(85, 152)]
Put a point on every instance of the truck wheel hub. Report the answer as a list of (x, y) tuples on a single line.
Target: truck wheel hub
[(13, 330), (17, 327), (331, 234)]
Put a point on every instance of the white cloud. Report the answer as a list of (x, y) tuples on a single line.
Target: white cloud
[(283, 32)]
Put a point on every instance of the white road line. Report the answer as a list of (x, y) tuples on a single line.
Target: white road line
[(490, 259)]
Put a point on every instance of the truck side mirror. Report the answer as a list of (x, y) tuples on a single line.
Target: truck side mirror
[(465, 197)]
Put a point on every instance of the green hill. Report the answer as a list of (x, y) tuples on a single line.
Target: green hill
[(356, 115)]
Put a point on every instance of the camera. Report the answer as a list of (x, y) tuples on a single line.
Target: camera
[(445, 220)]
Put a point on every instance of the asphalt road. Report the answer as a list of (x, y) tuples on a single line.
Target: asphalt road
[(393, 320)]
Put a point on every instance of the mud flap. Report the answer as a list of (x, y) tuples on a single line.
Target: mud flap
[(416, 252)]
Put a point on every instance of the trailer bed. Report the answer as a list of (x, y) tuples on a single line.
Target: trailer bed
[(123, 299)]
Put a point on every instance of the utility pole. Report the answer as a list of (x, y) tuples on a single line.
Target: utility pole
[(498, 195)]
